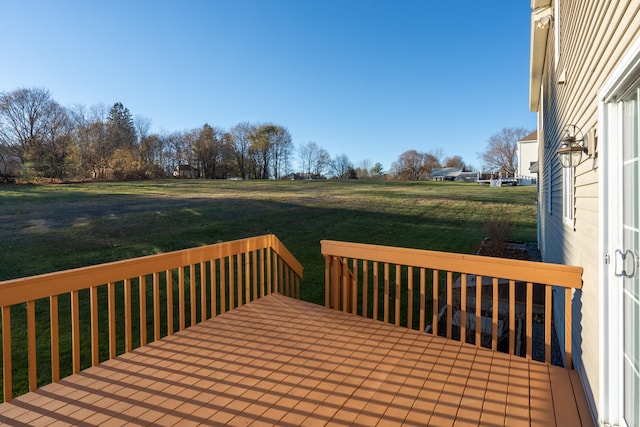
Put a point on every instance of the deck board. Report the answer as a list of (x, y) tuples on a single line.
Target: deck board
[(280, 361)]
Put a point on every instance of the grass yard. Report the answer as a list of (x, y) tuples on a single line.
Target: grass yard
[(57, 227)]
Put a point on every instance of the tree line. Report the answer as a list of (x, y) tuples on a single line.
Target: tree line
[(47, 140), (51, 141), (39, 139)]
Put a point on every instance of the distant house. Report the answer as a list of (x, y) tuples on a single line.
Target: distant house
[(302, 176), (445, 174), (527, 154), (467, 177), (186, 171)]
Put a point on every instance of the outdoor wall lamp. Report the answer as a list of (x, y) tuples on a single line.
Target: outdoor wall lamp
[(572, 147)]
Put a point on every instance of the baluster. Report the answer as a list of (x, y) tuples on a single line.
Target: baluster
[(6, 353), (31, 345)]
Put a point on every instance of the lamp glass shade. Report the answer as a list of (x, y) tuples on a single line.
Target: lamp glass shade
[(565, 159), (570, 154), (576, 155)]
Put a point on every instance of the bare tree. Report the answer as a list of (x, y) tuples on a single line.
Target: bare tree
[(321, 162), (415, 166), (240, 136), (363, 171), (454, 162), (501, 152), (282, 147), (143, 126), (341, 167), (314, 159), (36, 129), (308, 153), (24, 118), (409, 166), (436, 156), (207, 147), (151, 155), (175, 150), (272, 146), (55, 153)]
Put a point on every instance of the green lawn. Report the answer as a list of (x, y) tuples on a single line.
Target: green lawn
[(56, 227)]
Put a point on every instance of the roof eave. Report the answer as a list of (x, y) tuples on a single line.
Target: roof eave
[(536, 4), (541, 19)]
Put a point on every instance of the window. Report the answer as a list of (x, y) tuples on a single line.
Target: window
[(567, 196)]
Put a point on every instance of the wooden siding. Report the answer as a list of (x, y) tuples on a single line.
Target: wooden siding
[(594, 35)]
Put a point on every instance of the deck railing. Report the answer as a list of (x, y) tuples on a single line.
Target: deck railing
[(415, 287), (174, 290)]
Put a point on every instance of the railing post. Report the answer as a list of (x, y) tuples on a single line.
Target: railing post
[(512, 316), (463, 308), (335, 282), (269, 274), (449, 302), (396, 308), (354, 287), (548, 310), (6, 353), (75, 331), (128, 328), (478, 311), (112, 319), (423, 298), (181, 302), (345, 285), (435, 284), (232, 283), (142, 292), (193, 282), (55, 351), (169, 280), (365, 288), (327, 281), (386, 292), (494, 315), (529, 320), (31, 345), (156, 306), (567, 327), (95, 356)]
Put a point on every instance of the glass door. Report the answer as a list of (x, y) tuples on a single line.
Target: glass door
[(626, 259)]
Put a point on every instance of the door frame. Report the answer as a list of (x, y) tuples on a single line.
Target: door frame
[(611, 391)]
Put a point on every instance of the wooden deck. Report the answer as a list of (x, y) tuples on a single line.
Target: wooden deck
[(280, 361)]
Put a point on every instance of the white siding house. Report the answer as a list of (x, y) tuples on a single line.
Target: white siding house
[(585, 84), (527, 155)]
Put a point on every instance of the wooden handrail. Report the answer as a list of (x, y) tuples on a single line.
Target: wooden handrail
[(221, 272), (443, 268), (537, 272), (21, 290)]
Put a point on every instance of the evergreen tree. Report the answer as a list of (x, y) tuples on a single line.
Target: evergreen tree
[(121, 131)]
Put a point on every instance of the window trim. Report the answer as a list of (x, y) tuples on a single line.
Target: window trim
[(556, 32), (568, 200)]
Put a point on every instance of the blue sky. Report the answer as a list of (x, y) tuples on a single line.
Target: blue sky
[(369, 79)]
